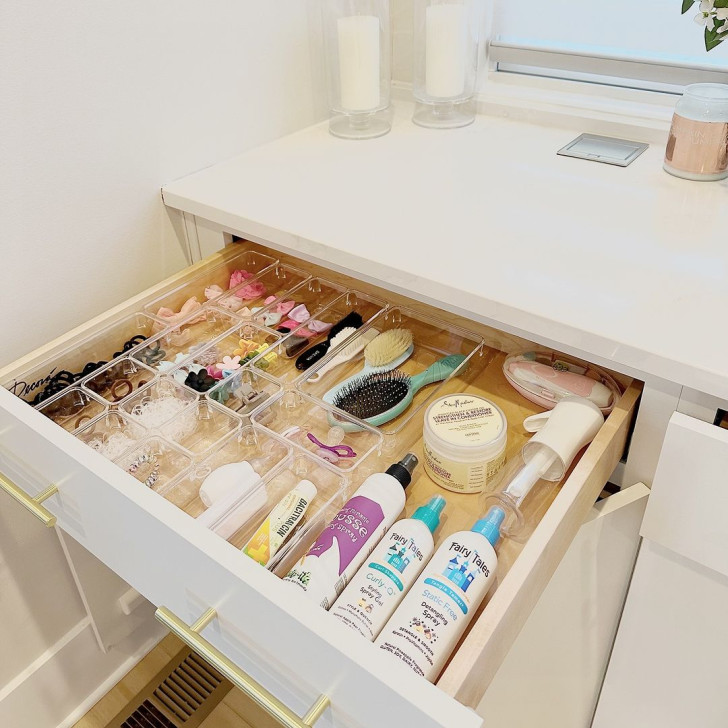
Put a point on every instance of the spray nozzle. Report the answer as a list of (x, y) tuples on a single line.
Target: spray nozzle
[(403, 470), (490, 525), (429, 514)]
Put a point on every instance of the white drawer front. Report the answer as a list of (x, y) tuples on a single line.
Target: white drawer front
[(687, 509), (291, 647)]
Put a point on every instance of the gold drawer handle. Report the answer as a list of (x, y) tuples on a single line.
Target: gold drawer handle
[(254, 690), (33, 504)]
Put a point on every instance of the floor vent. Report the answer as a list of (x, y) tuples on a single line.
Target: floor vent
[(177, 697)]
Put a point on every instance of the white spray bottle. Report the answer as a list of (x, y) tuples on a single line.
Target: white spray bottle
[(380, 585), (355, 530), (427, 625)]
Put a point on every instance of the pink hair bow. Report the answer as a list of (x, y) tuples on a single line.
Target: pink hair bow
[(172, 317)]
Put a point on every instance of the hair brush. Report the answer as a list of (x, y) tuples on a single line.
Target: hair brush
[(352, 320), (384, 353), (379, 397)]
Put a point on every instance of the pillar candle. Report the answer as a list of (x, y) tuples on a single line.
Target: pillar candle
[(359, 62), (445, 50)]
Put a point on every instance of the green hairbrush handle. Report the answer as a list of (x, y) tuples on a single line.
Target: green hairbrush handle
[(438, 372)]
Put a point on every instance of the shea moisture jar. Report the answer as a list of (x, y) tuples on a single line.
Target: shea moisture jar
[(464, 442)]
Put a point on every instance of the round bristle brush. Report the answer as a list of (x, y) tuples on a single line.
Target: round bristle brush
[(384, 353), (379, 397)]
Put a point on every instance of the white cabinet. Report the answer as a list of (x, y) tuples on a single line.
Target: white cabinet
[(669, 667), (294, 650)]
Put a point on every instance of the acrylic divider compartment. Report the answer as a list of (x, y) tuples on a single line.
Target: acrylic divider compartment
[(72, 408), (306, 424), (112, 434), (332, 492), (176, 344), (433, 340), (200, 428), (245, 391), (305, 337), (155, 462), (226, 355), (310, 296), (262, 290), (264, 453), (79, 359), (210, 285), (159, 402), (117, 381)]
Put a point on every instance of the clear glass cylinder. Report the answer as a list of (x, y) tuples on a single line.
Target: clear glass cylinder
[(446, 41), (697, 147), (358, 48)]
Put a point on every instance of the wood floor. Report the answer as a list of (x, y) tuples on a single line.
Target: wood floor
[(235, 711)]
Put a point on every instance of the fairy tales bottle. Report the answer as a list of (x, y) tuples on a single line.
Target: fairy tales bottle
[(427, 625), (380, 585)]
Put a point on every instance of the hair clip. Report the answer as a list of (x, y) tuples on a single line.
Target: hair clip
[(245, 346), (213, 291), (238, 276), (251, 291), (326, 451), (284, 307), (130, 344), (171, 317), (152, 354), (229, 363), (152, 465), (272, 318), (299, 313), (200, 381), (206, 358)]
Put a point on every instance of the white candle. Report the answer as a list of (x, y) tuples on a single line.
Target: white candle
[(359, 62), (445, 50)]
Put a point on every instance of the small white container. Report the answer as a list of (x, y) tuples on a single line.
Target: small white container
[(464, 442)]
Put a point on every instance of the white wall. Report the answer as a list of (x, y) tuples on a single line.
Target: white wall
[(103, 102)]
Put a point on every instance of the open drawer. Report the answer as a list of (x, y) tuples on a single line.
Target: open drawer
[(294, 650)]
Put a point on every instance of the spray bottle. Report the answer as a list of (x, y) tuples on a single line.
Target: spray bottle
[(381, 584), (355, 530)]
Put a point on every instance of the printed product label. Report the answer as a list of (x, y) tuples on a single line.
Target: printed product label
[(351, 528), (465, 420), (461, 477)]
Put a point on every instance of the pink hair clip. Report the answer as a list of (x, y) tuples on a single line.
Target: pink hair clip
[(213, 291), (237, 277), (327, 451), (283, 307), (229, 363), (172, 317), (300, 313), (251, 291)]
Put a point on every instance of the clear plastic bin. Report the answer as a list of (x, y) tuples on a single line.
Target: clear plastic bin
[(305, 423), (332, 492), (305, 338), (314, 294), (245, 391), (112, 434), (227, 354), (208, 286), (117, 381), (254, 293), (155, 462), (201, 428), (159, 402), (72, 408), (265, 454), (433, 340), (82, 357)]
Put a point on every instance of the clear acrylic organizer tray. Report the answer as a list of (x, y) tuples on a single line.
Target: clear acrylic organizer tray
[(160, 401), (219, 510), (312, 427), (177, 343), (433, 340), (245, 391), (304, 338), (95, 351), (209, 286), (262, 290), (112, 434), (72, 408), (155, 462), (118, 381)]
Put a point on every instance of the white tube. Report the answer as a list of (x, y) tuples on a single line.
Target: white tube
[(531, 472)]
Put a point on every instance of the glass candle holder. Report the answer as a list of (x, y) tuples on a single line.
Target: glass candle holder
[(697, 147), (357, 41), (446, 39)]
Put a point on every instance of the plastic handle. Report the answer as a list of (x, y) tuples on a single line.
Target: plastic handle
[(438, 372)]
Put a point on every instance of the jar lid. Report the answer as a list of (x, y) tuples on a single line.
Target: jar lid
[(466, 423)]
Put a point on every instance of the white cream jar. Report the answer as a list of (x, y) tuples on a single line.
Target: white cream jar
[(464, 442)]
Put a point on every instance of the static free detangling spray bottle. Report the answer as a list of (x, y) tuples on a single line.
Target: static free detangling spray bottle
[(354, 531), (380, 585), (427, 625)]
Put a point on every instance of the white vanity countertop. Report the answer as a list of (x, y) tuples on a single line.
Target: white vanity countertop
[(625, 266)]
